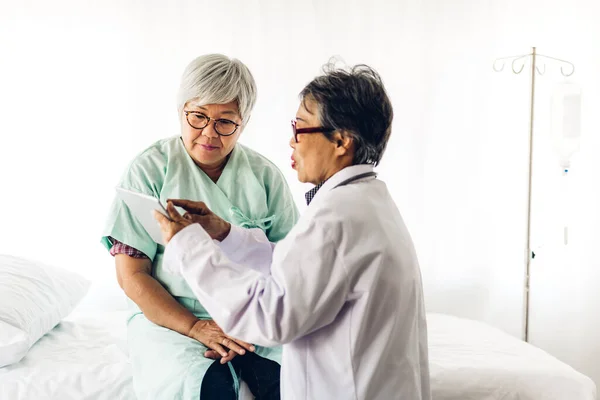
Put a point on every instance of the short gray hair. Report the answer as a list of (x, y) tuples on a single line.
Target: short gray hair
[(217, 79), (354, 100)]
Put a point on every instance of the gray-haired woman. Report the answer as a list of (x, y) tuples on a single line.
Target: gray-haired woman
[(170, 334)]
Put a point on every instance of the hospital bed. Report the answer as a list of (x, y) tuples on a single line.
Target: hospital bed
[(85, 357)]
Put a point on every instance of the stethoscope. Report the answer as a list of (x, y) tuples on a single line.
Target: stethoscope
[(356, 177)]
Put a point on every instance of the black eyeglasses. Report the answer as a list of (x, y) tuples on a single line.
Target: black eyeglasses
[(223, 127), (317, 129)]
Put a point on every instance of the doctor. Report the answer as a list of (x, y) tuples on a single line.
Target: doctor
[(342, 292)]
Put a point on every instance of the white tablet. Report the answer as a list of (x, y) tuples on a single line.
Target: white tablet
[(142, 205)]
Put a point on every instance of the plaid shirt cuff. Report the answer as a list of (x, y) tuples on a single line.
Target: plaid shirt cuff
[(122, 248)]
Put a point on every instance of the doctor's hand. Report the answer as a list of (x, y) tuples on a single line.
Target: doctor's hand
[(170, 228), (198, 212), (220, 345)]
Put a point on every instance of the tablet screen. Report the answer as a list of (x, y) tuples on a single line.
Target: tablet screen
[(142, 206)]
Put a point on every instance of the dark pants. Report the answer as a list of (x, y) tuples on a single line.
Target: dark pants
[(260, 374)]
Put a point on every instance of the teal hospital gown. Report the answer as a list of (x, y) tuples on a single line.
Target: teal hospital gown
[(251, 193)]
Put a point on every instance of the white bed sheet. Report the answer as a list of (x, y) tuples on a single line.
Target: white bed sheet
[(85, 357), (470, 360)]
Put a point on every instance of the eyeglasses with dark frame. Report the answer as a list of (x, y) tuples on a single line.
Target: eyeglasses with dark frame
[(317, 129), (223, 127)]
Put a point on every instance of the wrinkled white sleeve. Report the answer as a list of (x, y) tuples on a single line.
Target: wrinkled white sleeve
[(307, 287), (249, 247)]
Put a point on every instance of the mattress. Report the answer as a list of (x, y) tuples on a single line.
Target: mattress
[(470, 360), (85, 357)]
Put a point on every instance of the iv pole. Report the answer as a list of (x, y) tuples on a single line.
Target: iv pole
[(498, 67)]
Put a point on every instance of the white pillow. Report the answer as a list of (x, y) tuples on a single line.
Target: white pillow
[(34, 298)]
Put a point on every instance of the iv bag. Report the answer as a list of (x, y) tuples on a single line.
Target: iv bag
[(566, 121)]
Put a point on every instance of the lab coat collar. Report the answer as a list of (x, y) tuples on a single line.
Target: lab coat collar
[(341, 176)]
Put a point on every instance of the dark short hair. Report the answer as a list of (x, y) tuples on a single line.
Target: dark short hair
[(354, 101)]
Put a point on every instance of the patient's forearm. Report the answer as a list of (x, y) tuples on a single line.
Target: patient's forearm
[(157, 304), (151, 297)]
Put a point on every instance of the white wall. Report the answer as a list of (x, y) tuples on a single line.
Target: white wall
[(84, 86), (475, 174)]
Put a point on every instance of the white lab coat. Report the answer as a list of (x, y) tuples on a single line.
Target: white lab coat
[(344, 295)]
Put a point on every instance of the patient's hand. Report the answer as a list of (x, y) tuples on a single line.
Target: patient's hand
[(216, 356), (220, 345), (198, 212)]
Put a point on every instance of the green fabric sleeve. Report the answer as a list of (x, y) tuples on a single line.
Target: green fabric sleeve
[(125, 228), (281, 205), (144, 175)]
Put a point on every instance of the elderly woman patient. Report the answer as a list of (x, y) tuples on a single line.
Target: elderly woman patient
[(170, 334)]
